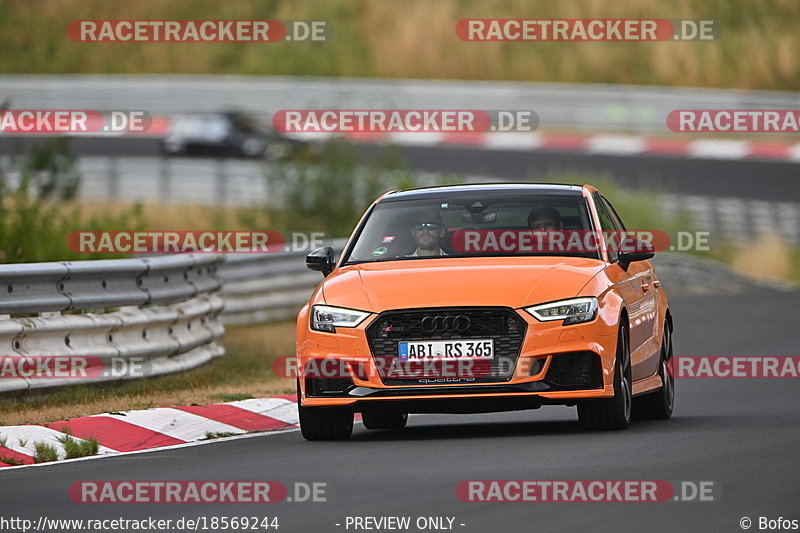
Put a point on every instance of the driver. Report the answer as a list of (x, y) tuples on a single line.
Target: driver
[(428, 230)]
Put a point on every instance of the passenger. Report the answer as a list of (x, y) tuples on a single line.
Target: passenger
[(546, 224), (545, 219)]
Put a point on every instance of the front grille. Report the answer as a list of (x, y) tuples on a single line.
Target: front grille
[(501, 324), (579, 370)]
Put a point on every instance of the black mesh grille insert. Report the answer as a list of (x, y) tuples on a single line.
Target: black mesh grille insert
[(580, 370), (502, 325), (322, 386)]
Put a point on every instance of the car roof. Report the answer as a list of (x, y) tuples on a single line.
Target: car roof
[(485, 189)]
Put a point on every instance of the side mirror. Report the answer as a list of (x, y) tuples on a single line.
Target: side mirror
[(322, 260), (632, 250)]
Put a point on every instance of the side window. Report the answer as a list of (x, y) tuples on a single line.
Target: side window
[(613, 213), (607, 226)]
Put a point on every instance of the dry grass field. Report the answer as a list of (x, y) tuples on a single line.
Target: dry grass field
[(757, 48)]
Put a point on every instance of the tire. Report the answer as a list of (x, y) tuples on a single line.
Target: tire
[(384, 419), (325, 423), (658, 405), (172, 148), (252, 147), (612, 413)]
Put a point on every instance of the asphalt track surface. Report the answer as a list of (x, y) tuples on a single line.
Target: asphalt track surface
[(755, 179), (743, 434)]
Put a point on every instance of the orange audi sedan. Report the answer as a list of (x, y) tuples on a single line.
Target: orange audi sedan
[(480, 298)]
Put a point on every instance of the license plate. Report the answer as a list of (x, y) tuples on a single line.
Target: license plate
[(445, 350)]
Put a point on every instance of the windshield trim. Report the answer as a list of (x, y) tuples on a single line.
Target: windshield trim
[(351, 243), (585, 255)]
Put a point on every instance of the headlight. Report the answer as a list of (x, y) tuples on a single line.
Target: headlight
[(572, 311), (327, 318)]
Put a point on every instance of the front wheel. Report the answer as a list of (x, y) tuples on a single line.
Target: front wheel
[(658, 405), (612, 413), (325, 423)]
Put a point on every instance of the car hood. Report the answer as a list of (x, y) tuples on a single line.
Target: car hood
[(456, 282)]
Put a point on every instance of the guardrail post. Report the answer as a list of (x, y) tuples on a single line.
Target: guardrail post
[(113, 179), (165, 178), (221, 182)]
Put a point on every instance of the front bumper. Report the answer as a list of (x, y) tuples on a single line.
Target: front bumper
[(529, 385)]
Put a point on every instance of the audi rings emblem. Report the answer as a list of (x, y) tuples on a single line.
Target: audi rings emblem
[(445, 323)]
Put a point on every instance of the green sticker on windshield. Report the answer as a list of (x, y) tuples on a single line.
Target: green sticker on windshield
[(380, 251)]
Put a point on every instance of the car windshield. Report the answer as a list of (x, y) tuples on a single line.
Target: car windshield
[(470, 225), (245, 122)]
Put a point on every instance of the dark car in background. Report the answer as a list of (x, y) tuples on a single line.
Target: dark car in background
[(228, 134)]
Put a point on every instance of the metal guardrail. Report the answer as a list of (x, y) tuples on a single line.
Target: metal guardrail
[(162, 314), (584, 106), (266, 288), (154, 315), (88, 285)]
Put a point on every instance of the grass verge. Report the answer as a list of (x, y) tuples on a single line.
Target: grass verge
[(218, 435), (44, 452), (12, 461), (78, 448)]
